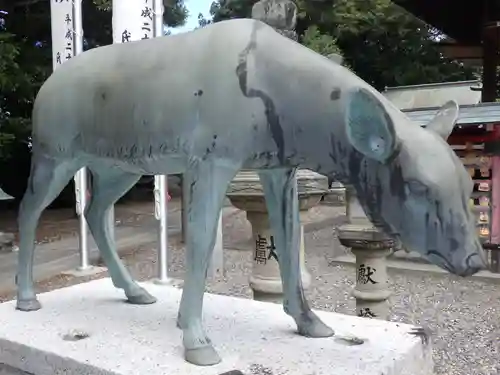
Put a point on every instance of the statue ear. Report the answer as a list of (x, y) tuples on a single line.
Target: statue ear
[(444, 121), (369, 128)]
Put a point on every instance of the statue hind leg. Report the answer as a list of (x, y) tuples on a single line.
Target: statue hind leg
[(47, 179), (208, 184), (283, 208), (109, 185)]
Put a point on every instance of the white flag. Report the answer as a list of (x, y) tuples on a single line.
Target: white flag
[(63, 31)]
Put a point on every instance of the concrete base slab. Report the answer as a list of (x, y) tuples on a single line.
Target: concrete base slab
[(82, 272), (87, 329)]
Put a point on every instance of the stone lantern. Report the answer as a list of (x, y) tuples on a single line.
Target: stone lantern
[(246, 193), (371, 248)]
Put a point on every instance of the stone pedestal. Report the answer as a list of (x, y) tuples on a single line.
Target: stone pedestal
[(245, 192), (371, 248), (87, 329)]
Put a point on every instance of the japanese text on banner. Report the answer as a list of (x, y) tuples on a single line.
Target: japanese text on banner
[(63, 31), (147, 14)]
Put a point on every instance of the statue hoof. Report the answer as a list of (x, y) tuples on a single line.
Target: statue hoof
[(315, 328), (204, 356), (28, 304), (142, 298)]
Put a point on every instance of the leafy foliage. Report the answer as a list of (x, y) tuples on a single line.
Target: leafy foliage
[(324, 44), (18, 85), (26, 62), (384, 45), (202, 21)]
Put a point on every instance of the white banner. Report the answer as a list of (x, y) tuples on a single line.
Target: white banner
[(67, 41), (132, 20), (63, 31), (158, 29)]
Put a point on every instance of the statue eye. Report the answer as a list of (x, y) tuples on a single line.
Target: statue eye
[(415, 187)]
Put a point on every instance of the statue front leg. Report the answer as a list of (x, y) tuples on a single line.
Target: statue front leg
[(283, 209), (208, 184)]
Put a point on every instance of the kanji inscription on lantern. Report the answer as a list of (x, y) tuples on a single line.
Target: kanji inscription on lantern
[(366, 313), (365, 274), (264, 249)]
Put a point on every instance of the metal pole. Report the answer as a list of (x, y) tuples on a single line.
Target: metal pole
[(161, 182), (81, 188), (161, 214), (81, 203)]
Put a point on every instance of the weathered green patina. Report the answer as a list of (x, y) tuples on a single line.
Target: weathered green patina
[(229, 96)]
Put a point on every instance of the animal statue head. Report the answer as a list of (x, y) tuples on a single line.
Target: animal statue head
[(411, 183)]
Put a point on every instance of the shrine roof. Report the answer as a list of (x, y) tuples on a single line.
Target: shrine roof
[(469, 114), (434, 94), (460, 20)]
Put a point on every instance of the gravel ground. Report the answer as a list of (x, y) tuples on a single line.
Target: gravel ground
[(463, 315), (57, 224)]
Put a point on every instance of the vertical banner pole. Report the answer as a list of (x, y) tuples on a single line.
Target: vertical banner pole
[(81, 191), (126, 28), (135, 20), (81, 178), (161, 215), (161, 182), (67, 42)]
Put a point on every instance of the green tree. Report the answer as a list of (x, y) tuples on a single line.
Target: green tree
[(313, 38), (381, 42), (323, 44), (26, 62), (10, 77)]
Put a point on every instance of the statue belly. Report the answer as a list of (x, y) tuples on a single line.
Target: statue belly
[(165, 164)]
